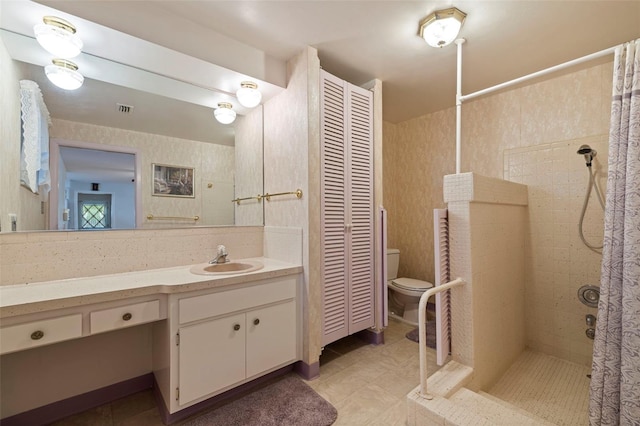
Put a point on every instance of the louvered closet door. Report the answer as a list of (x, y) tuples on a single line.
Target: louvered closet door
[(347, 207), (360, 207), (333, 204)]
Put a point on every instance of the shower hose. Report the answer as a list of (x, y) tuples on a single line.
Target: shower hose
[(592, 185)]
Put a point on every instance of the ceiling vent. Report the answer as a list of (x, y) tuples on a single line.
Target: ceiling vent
[(125, 109)]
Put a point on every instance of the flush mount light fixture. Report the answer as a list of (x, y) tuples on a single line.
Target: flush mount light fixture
[(58, 37), (442, 26), (224, 113), (64, 74), (248, 94)]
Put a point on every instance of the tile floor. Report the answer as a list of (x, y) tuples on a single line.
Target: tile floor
[(367, 384)]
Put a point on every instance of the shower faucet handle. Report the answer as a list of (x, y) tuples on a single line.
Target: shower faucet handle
[(591, 320)]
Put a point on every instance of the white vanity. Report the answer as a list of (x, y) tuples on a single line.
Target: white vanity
[(210, 333)]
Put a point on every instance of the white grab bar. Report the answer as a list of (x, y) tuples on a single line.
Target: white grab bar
[(422, 330)]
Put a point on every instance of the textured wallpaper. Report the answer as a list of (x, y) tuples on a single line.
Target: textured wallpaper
[(213, 164), (249, 172), (562, 110)]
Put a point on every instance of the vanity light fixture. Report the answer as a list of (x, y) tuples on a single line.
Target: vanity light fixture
[(58, 37), (224, 113), (441, 27), (64, 74), (248, 94)]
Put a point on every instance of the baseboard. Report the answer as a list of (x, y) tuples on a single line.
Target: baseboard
[(168, 418), (307, 371), (371, 337), (77, 404)]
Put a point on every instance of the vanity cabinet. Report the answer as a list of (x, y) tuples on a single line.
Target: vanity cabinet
[(222, 338), (219, 353)]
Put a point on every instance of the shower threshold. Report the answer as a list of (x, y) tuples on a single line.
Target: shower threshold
[(537, 389)]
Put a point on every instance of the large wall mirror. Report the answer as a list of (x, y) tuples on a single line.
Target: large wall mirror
[(140, 141)]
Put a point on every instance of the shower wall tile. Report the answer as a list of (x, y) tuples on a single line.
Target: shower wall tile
[(528, 135), (561, 263)]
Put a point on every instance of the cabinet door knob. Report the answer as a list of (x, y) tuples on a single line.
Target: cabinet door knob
[(256, 321), (236, 327), (127, 316), (37, 335)]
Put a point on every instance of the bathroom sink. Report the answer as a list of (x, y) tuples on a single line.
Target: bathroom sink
[(232, 267)]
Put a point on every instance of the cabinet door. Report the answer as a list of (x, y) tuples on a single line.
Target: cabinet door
[(211, 356), (271, 337)]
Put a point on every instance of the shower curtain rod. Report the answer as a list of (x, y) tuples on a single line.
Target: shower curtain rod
[(461, 98), (541, 73)]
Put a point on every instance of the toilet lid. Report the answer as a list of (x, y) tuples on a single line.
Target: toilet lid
[(412, 284)]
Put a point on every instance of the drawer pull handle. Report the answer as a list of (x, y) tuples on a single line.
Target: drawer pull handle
[(37, 335), (256, 321), (127, 316), (236, 327)]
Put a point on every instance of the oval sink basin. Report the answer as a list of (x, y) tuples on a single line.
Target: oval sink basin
[(227, 268)]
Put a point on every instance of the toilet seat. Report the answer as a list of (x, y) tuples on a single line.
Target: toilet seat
[(411, 285)]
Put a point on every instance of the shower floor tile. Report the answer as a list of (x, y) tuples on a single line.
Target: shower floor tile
[(552, 389)]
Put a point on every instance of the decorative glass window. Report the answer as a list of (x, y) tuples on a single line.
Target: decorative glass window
[(94, 211)]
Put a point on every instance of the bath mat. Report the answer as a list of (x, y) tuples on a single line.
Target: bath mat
[(431, 334), (286, 402)]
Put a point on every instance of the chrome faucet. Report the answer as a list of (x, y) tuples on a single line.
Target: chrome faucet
[(221, 256)]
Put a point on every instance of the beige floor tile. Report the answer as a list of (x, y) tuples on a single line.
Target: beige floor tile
[(364, 406), (133, 405)]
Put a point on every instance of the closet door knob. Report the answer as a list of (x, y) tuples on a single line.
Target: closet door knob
[(236, 327), (37, 335), (127, 316), (256, 321)]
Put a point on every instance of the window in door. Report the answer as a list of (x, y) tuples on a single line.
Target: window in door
[(94, 211)]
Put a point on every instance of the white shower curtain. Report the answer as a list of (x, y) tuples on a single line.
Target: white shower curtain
[(615, 382)]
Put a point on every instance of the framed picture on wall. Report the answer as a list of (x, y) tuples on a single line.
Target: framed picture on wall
[(173, 181)]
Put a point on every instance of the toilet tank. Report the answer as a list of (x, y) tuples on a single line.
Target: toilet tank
[(393, 260)]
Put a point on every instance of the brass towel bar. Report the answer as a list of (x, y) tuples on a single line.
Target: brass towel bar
[(267, 196), (297, 193), (152, 217), (237, 200)]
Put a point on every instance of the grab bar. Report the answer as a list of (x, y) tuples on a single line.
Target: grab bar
[(422, 330), (152, 217)]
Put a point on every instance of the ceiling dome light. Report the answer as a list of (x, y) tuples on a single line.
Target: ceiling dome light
[(224, 114), (58, 37), (442, 26), (248, 94), (64, 74)]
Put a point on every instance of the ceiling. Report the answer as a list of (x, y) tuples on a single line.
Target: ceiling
[(362, 40)]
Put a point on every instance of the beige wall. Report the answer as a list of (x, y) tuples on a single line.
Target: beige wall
[(562, 110), (213, 163), (291, 141), (27, 257), (14, 198)]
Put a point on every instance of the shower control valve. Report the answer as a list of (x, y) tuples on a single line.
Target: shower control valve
[(591, 320)]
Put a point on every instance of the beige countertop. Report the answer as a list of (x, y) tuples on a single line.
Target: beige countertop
[(21, 299)]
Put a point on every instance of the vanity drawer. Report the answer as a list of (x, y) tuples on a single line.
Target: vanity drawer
[(215, 304), (39, 333), (124, 316)]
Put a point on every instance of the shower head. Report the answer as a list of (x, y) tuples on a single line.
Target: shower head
[(588, 153)]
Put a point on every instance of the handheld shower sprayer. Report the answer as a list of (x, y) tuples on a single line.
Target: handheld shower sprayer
[(588, 153)]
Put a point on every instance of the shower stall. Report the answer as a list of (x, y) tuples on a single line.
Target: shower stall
[(520, 354)]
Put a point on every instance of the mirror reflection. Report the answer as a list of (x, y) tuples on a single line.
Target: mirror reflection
[(91, 125)]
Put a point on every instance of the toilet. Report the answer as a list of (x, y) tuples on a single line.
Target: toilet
[(405, 292)]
